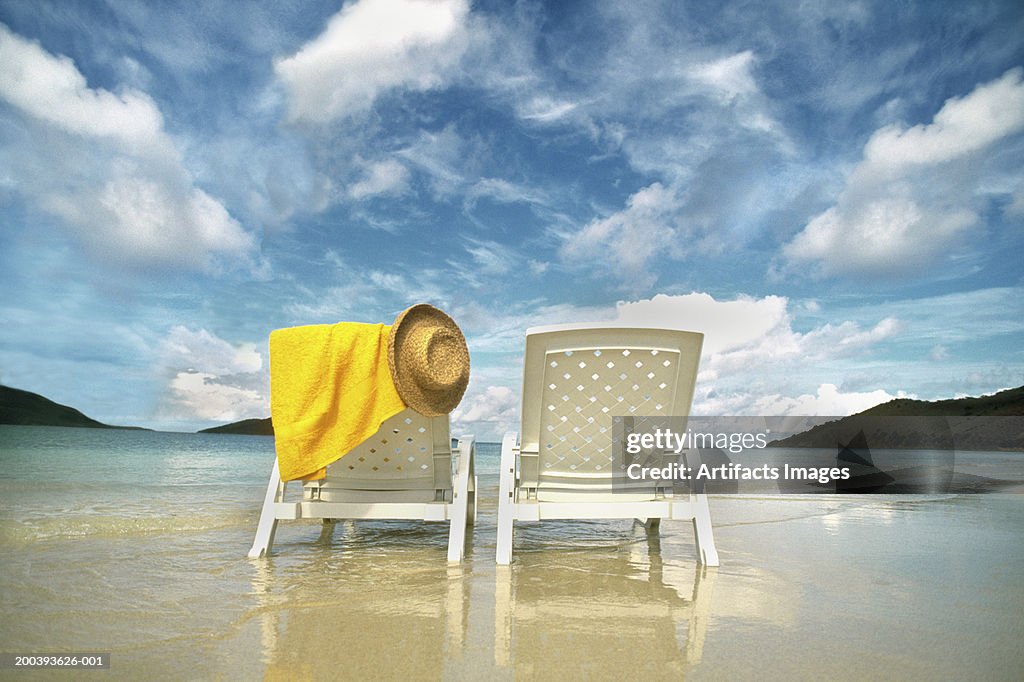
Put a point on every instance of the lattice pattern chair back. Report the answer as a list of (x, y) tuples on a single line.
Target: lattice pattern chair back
[(409, 452), (580, 379)]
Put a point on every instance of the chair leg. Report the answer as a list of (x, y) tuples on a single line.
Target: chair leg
[(326, 531), (471, 518), (457, 529), (267, 525), (504, 549), (460, 501), (506, 485), (457, 536), (702, 532)]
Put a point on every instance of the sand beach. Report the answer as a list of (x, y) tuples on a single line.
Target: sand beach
[(134, 543)]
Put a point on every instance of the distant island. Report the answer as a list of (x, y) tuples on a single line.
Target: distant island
[(25, 408), (1008, 403), (246, 427), (992, 422)]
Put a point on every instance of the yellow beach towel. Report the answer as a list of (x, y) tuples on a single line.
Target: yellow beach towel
[(330, 389)]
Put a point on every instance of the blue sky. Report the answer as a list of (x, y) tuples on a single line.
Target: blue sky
[(832, 192)]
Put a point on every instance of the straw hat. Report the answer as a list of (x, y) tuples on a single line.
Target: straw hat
[(429, 360)]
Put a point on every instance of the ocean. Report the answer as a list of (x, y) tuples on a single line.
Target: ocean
[(134, 543)]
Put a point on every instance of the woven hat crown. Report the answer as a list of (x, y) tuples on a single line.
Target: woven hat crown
[(429, 360)]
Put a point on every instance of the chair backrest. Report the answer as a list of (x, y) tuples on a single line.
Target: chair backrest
[(408, 452), (575, 379)]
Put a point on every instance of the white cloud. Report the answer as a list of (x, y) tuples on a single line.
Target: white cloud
[(198, 395), (963, 125), (739, 334), (503, 191), (910, 199), (753, 363), (729, 77), (487, 413), (545, 109), (213, 379), (110, 170), (490, 259), (371, 47), (628, 240), (827, 400), (501, 330), (202, 351), (727, 325), (52, 89), (383, 177), (1016, 206), (153, 221), (748, 333), (717, 148), (443, 156), (887, 235), (362, 294), (537, 267)]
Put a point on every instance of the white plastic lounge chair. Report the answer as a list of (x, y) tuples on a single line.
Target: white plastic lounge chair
[(407, 470), (575, 380)]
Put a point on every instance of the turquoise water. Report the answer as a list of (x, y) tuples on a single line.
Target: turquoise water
[(134, 543), (67, 483)]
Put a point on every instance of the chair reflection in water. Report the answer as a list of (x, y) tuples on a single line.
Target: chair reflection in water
[(561, 464), (330, 615), (627, 614)]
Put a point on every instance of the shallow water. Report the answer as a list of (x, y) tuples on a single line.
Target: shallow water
[(134, 543)]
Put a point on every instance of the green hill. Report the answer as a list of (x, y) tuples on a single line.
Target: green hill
[(248, 427), (1008, 403), (31, 409), (992, 422)]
